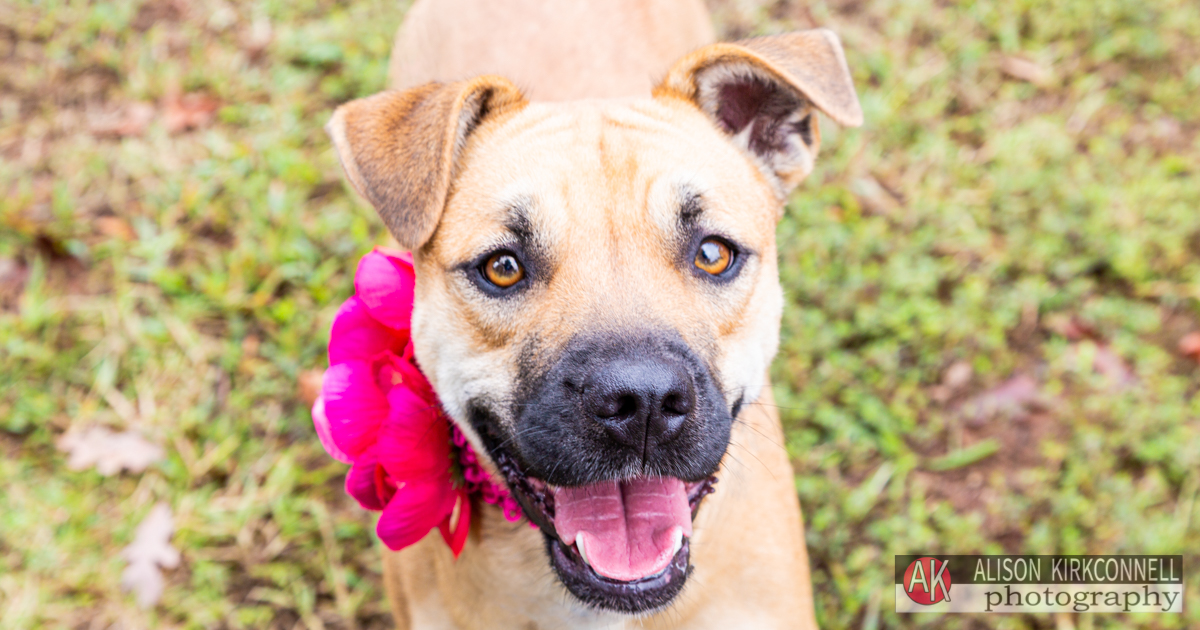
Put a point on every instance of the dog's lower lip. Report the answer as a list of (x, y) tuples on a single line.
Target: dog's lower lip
[(640, 596), (636, 596)]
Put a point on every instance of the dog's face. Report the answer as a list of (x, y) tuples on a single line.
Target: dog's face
[(597, 291), (643, 256)]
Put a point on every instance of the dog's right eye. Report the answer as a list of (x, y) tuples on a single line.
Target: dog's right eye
[(503, 269)]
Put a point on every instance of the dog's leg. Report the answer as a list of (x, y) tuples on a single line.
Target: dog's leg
[(410, 582), (393, 588)]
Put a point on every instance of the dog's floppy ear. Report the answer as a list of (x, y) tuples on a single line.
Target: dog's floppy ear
[(762, 93), (399, 148)]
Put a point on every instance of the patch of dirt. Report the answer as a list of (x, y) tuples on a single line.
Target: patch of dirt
[(1019, 418), (156, 11), (1020, 440)]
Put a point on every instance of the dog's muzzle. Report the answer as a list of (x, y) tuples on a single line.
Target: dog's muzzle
[(614, 448)]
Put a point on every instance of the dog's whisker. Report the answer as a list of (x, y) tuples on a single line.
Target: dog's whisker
[(764, 435), (759, 403), (751, 452)]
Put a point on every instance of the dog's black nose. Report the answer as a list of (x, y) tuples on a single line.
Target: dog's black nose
[(640, 401)]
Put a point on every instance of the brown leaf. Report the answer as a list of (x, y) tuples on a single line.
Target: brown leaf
[(1111, 365), (1026, 70), (256, 38), (310, 385), (874, 198), (115, 227), (13, 276), (1072, 327), (156, 11), (1190, 346), (109, 452), (1013, 398), (188, 111), (128, 120), (957, 375), (151, 549), (250, 345)]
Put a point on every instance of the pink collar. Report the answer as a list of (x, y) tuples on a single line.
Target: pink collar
[(378, 412)]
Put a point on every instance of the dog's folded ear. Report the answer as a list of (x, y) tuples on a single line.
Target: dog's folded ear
[(399, 148), (762, 93)]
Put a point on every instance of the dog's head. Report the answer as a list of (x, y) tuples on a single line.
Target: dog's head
[(597, 292)]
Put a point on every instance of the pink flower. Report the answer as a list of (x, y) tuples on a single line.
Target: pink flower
[(378, 413)]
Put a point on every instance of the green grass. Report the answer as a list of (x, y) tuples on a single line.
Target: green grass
[(972, 219)]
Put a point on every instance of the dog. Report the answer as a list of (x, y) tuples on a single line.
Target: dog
[(597, 302)]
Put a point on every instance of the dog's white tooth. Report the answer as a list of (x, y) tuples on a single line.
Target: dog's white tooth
[(579, 546), (678, 542)]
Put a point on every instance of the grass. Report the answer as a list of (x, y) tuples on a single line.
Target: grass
[(1022, 201)]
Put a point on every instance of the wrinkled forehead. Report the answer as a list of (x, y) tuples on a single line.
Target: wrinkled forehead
[(601, 172)]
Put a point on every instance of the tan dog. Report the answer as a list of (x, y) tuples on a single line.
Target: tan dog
[(598, 302)]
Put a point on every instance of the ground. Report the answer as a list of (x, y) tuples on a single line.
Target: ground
[(989, 291)]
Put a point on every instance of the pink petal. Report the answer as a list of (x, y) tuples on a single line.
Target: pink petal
[(416, 509), (358, 336), (457, 538), (354, 405), (395, 371), (414, 441), (414, 379), (321, 422), (368, 483), (385, 285)]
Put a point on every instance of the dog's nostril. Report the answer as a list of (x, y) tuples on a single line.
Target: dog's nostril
[(616, 406), (640, 401), (628, 406), (677, 404)]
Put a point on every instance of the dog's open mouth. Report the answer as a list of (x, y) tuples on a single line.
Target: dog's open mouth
[(619, 545)]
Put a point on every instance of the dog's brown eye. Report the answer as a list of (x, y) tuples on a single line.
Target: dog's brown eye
[(503, 270), (714, 256)]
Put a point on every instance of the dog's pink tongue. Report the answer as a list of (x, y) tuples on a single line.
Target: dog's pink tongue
[(628, 528)]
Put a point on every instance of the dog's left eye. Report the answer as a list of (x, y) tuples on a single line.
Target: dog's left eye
[(714, 256)]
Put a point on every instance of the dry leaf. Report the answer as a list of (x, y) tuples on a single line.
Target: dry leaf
[(875, 199), (1190, 346), (188, 111), (109, 452), (954, 379), (128, 120), (156, 11), (1013, 398), (256, 39), (1072, 327), (310, 385), (1026, 70), (250, 345), (1107, 362), (13, 276), (151, 549), (115, 227), (957, 375)]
